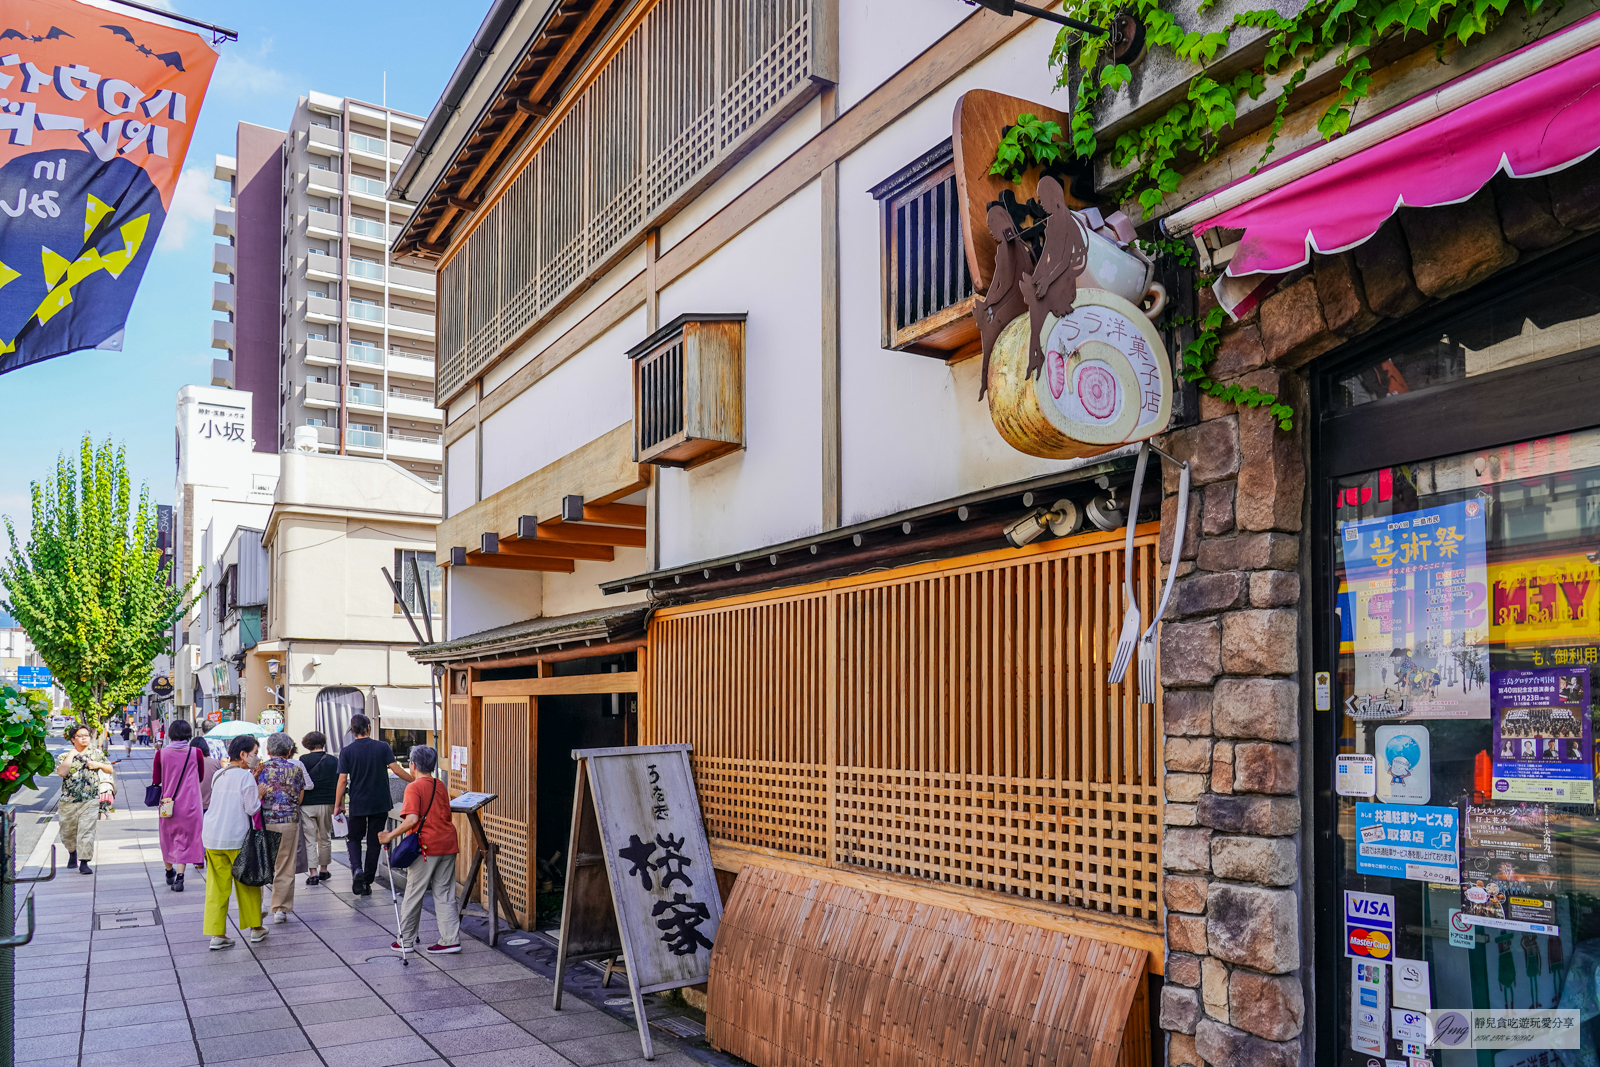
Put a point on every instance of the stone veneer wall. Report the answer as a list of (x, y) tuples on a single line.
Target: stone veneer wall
[(1231, 648)]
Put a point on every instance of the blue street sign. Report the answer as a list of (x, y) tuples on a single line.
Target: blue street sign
[(34, 677)]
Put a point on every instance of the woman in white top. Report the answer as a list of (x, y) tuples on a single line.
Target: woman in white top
[(235, 798)]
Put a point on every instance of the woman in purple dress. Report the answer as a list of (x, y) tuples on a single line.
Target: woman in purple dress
[(179, 770)]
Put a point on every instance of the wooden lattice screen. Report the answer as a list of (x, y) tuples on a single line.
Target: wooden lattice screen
[(948, 722), (508, 757), (681, 97)]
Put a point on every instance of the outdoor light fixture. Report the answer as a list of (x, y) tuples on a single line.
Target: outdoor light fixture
[(1105, 511), (272, 667), (1062, 519), (1126, 31)]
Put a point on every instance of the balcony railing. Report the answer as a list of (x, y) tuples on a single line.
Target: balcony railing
[(368, 186), (371, 228), (365, 354), (323, 264), (322, 135), (393, 436), (411, 320), (325, 221), (365, 268), (363, 439), (370, 312), (322, 306), (358, 394), (414, 279), (360, 142), (419, 397)]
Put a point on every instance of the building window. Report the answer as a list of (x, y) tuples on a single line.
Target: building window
[(927, 286), (408, 581)]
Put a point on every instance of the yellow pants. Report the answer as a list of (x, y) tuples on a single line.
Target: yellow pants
[(219, 884)]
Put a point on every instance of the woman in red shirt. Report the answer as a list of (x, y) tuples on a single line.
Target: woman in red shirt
[(426, 809)]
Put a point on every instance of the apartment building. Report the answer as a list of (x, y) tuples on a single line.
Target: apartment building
[(319, 316)]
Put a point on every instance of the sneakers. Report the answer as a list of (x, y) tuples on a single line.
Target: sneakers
[(171, 874), (443, 950), (280, 916), (177, 883), (83, 867), (220, 942), (356, 886), (398, 947), (258, 935)]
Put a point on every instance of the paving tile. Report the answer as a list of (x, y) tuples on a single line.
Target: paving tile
[(566, 1027), (663, 1058), (388, 1053), (530, 1008), (46, 1046), (46, 1025), (173, 1054), (403, 981), (51, 1061), (61, 987), (479, 1039), (69, 973), (534, 1055), (436, 1020), (128, 1035), (314, 994), (350, 1031), (367, 1007), (500, 972), (253, 1045), (205, 1007), (311, 976), (426, 999), (242, 1022), (31, 1009), (212, 985), (607, 1048), (155, 994), (132, 979)]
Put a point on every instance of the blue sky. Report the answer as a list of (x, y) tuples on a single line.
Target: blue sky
[(285, 47)]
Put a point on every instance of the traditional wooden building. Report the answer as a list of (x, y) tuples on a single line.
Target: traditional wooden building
[(734, 457)]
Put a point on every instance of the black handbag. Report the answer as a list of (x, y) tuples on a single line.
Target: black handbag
[(408, 849), (258, 856)]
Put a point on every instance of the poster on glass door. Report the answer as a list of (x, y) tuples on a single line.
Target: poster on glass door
[(1543, 742), (1508, 868), (1414, 613)]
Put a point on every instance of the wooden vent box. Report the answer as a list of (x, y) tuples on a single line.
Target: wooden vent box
[(688, 391)]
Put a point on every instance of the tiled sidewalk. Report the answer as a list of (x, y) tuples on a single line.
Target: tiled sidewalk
[(324, 988)]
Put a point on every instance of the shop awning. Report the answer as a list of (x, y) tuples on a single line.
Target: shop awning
[(1533, 112), (403, 709), (580, 630)]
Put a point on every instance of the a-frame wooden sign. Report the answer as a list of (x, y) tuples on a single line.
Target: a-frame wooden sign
[(639, 879)]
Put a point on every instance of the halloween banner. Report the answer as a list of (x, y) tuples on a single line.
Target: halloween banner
[(96, 113)]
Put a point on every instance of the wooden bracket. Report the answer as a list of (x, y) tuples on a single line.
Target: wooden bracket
[(528, 107), (463, 205)]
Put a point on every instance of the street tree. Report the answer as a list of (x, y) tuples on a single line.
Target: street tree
[(89, 588)]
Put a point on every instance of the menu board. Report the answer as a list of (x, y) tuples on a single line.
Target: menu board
[(1414, 610), (1543, 743), (1508, 868)]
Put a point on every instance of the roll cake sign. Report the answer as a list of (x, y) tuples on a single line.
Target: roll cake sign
[(1072, 365)]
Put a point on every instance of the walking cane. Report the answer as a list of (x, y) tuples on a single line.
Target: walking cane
[(405, 950)]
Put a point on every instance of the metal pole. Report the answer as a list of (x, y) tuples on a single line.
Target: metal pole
[(219, 32)]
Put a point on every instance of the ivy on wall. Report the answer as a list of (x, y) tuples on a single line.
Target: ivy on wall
[(1190, 129)]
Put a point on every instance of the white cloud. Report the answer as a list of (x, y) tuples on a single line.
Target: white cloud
[(190, 212), (241, 76)]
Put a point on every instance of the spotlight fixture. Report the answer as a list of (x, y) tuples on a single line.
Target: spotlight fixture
[(1126, 31), (1104, 511), (1062, 519)]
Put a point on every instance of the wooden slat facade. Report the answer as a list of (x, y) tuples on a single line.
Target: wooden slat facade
[(946, 722), (510, 752)]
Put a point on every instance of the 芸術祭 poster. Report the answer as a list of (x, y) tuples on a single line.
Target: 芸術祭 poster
[(96, 114), (1543, 742), (1414, 613)]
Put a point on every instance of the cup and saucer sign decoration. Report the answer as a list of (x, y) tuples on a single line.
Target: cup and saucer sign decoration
[(1105, 381), (1072, 366)]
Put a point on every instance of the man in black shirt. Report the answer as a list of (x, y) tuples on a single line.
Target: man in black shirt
[(363, 775)]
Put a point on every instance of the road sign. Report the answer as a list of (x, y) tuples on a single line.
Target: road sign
[(34, 677)]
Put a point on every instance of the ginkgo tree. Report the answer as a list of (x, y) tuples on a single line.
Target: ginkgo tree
[(89, 588)]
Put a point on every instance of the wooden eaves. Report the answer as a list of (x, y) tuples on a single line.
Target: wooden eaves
[(549, 60), (581, 532)]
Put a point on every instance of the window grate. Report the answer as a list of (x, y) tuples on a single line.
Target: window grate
[(930, 263), (661, 396)]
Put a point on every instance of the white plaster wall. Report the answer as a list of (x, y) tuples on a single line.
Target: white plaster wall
[(588, 395), (461, 461), (580, 590), (481, 598), (878, 37), (914, 430), (326, 574), (772, 489)]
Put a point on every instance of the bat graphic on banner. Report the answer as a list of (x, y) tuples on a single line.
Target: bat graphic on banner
[(93, 135)]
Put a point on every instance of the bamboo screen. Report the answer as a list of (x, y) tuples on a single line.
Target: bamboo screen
[(508, 822), (947, 722)]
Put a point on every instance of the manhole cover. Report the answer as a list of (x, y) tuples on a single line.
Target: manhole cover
[(517, 941), (625, 1003), (392, 957), (680, 1026), (121, 920)]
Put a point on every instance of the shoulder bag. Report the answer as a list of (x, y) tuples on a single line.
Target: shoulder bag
[(152, 792), (169, 804), (408, 849), (258, 856)]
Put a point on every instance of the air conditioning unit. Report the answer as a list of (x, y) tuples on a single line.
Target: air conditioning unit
[(688, 391)]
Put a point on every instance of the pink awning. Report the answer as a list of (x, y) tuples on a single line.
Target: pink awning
[(1537, 125)]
